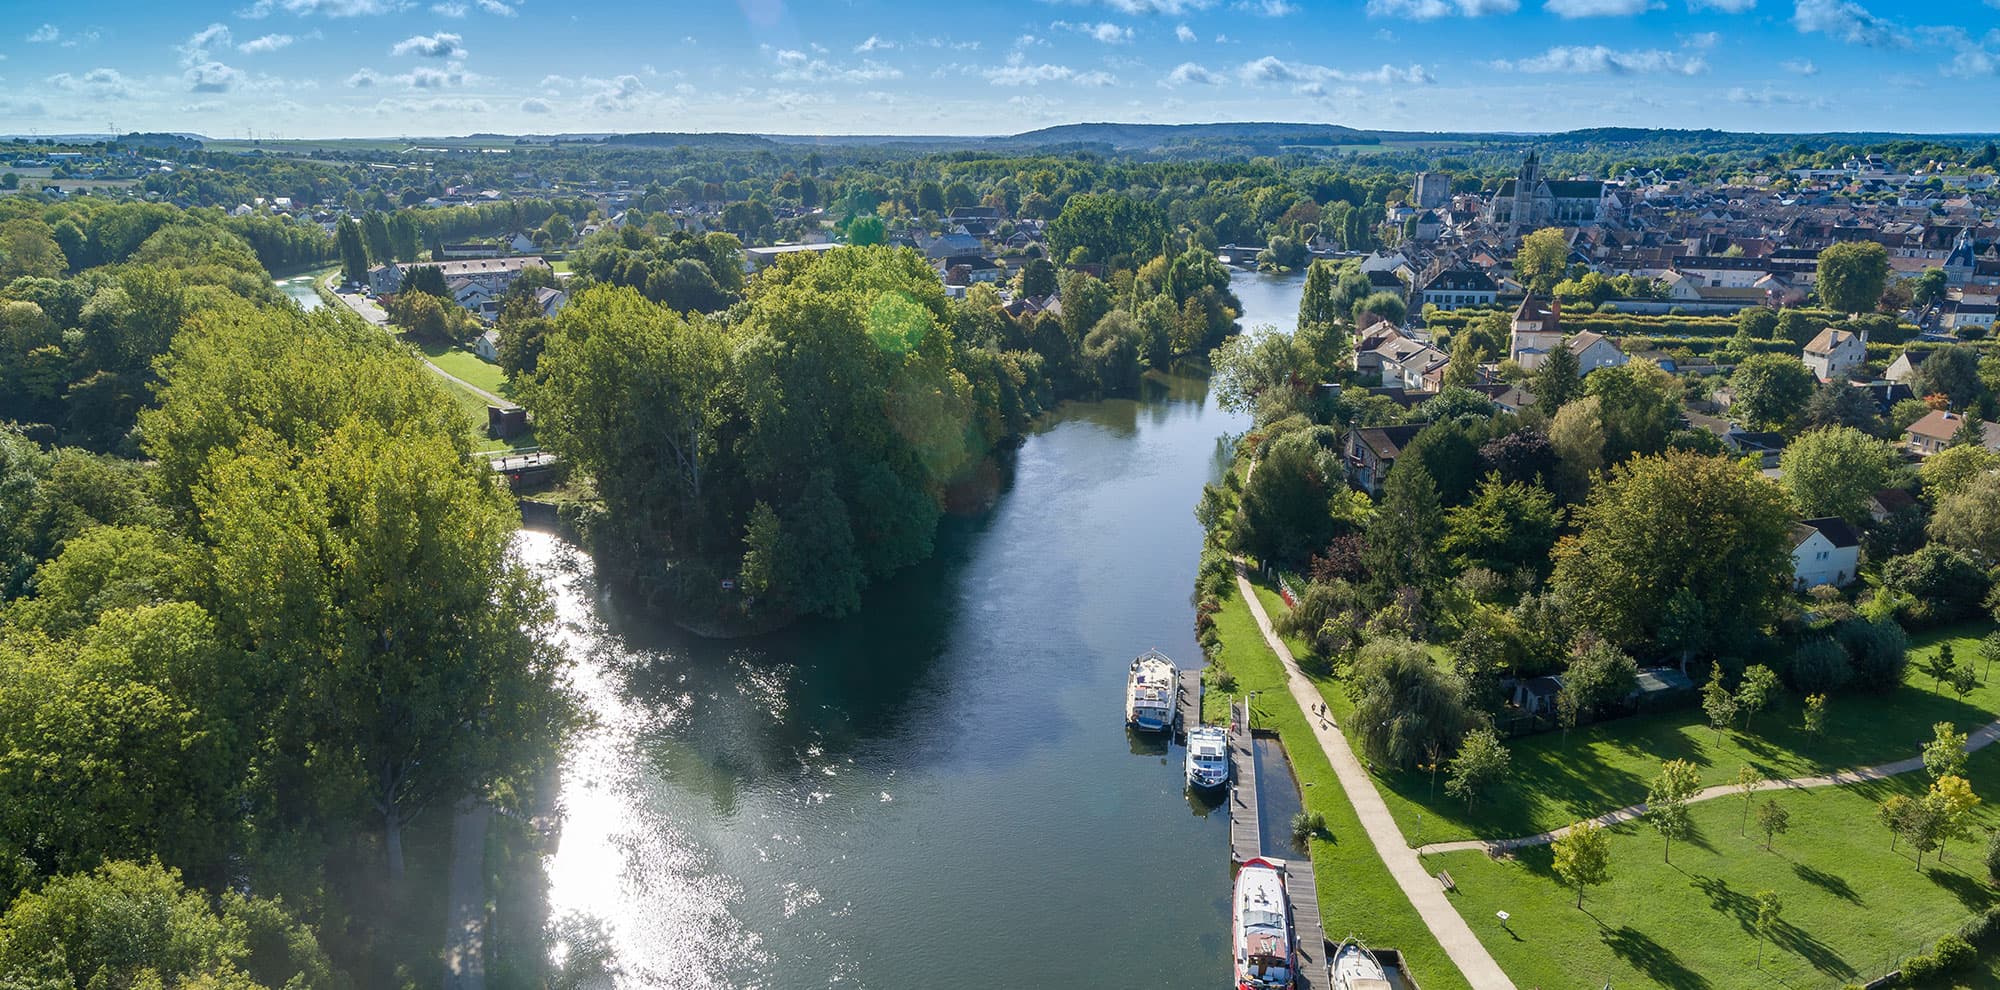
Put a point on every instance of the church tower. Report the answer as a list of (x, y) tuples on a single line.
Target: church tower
[(1524, 193)]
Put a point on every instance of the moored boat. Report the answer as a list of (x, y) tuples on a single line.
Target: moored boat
[(1356, 968), (1149, 693), (1262, 922), (1207, 756)]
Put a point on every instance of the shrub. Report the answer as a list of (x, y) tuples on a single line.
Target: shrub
[(1307, 824), (1818, 666), (1945, 585), (1877, 650), (1919, 969), (1954, 954), (1225, 682), (1992, 858)]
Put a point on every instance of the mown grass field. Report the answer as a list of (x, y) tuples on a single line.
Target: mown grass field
[(1852, 907)]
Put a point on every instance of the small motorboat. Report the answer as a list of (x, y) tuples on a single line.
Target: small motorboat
[(1149, 693), (1207, 757), (1263, 927), (1356, 968)]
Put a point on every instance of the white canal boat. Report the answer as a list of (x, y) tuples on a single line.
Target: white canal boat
[(1207, 757), (1356, 968), (1149, 693), (1262, 919)]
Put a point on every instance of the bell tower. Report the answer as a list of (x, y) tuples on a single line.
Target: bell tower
[(1524, 192)]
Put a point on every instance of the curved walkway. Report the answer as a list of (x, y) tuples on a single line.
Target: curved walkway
[(1980, 737), (1419, 886)]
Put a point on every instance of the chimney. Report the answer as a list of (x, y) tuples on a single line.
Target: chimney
[(1555, 315)]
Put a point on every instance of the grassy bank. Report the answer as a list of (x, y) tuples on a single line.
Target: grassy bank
[(1356, 893)]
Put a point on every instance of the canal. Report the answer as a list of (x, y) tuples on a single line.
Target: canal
[(300, 290), (939, 791)]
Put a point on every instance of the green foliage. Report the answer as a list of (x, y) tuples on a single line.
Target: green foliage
[(1944, 755), (1942, 584), (132, 925), (1583, 857), (1402, 537), (1542, 258), (1481, 760), (1297, 500), (1671, 524), (1666, 802), (1404, 705), (1505, 527), (1852, 275), (1640, 405), (1307, 825), (1771, 389), (1106, 227), (353, 254), (1772, 820), (1968, 520)]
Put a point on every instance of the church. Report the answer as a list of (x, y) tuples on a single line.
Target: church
[(1529, 201)]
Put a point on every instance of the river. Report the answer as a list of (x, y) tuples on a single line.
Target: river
[(300, 290), (939, 791)]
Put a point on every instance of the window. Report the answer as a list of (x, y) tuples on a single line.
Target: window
[(1822, 554)]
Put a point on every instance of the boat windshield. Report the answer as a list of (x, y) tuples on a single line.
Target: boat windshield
[(1253, 918)]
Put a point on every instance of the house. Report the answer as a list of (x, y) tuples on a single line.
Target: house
[(1372, 451), (1834, 353), (1594, 351), (1933, 433), (455, 252), (520, 243), (1457, 286), (487, 345), (1825, 551), (1414, 365), (975, 269), (550, 300), (1537, 331), (1537, 695), (1889, 503), (1904, 367), (757, 259)]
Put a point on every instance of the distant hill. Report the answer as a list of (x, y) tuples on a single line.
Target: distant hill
[(1140, 137)]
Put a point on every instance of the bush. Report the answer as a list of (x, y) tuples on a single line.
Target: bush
[(1819, 666), (1307, 824), (1878, 652), (1954, 954), (1944, 584), (1919, 969), (1992, 859), (1225, 682)]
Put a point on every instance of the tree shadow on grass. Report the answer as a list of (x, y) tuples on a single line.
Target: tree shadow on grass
[(1969, 891), (1658, 962), (1797, 941), (1834, 885)]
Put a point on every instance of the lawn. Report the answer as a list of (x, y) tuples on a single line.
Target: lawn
[(466, 365), (1601, 767), (1852, 907), (1356, 893)]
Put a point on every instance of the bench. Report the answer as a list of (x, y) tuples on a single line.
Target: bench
[(1444, 880)]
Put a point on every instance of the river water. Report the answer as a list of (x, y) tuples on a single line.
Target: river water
[(939, 791), (300, 290)]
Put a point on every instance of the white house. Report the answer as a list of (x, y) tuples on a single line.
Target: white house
[(487, 345), (1904, 367), (551, 301), (1537, 331), (1834, 353), (1825, 551), (1594, 351)]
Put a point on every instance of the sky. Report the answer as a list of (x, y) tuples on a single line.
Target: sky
[(389, 68)]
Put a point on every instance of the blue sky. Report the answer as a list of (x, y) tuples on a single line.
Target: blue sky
[(322, 68)]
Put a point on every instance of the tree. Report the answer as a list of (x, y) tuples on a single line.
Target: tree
[(1815, 716), (1402, 536), (1677, 523), (1834, 472), (1891, 813), (1403, 702), (1940, 665), (1038, 278), (1771, 389), (1772, 820), (1770, 921), (1666, 802), (1105, 226), (1297, 500), (1927, 289), (1506, 527), (1952, 801), (1969, 520), (1254, 373), (1944, 755), (1583, 857), (1955, 469), (1599, 673), (1718, 704), (1481, 760), (1577, 434), (1952, 372), (29, 250), (1640, 404), (1989, 650), (1852, 275), (375, 235), (353, 254), (863, 231), (1754, 693), (1558, 381), (1841, 404), (136, 925), (1747, 781), (1921, 823), (1387, 305), (1541, 260)]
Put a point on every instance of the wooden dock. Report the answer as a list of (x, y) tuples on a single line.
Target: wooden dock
[(1315, 955), (1187, 702), (1243, 836)]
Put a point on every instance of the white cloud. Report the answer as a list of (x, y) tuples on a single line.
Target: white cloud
[(498, 8), (1725, 6), (797, 66), (325, 8), (1799, 67), (364, 78), (617, 95), (43, 35), (451, 8), (1597, 8), (1104, 31), (1271, 69), (1097, 78), (426, 77), (1849, 22), (1020, 72), (874, 43), (209, 37), (533, 105), (1971, 64), (265, 45), (1171, 8), (212, 77), (1268, 8), (440, 45), (1768, 97), (1428, 10), (1191, 74), (99, 84), (1184, 33), (1592, 59)]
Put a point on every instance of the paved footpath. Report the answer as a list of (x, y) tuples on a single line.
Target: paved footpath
[(1420, 887), (465, 930), (1982, 736)]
